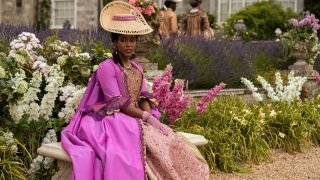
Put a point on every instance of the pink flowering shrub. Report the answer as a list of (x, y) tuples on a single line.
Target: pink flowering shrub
[(304, 29), (205, 100), (303, 37), (146, 7), (152, 13), (310, 21), (174, 102)]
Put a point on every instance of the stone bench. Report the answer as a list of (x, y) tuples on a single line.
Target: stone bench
[(55, 151)]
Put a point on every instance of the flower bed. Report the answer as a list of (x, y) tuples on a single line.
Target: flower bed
[(41, 87), (239, 132)]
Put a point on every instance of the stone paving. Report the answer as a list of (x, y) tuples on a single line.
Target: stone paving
[(305, 165)]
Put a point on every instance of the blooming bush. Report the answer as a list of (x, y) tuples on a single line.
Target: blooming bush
[(152, 14), (261, 20), (40, 166), (42, 84), (303, 31), (174, 102), (11, 165), (240, 132), (287, 93), (148, 8), (246, 132)]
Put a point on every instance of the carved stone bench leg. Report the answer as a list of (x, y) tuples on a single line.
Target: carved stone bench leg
[(64, 172)]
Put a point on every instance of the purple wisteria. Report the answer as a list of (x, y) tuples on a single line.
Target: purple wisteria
[(207, 98), (174, 102)]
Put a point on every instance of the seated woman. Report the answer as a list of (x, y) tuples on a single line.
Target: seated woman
[(115, 132)]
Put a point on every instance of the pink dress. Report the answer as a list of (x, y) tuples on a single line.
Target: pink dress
[(105, 143)]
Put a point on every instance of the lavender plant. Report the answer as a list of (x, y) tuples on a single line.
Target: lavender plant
[(206, 63), (86, 39)]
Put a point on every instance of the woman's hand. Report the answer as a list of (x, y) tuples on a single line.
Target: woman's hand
[(155, 123)]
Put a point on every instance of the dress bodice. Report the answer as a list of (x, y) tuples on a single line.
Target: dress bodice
[(134, 80)]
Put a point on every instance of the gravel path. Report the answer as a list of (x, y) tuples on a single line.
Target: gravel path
[(305, 165)]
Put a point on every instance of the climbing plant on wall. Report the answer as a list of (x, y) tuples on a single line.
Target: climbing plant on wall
[(43, 14)]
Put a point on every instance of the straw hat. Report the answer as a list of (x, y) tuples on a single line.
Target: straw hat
[(122, 18)]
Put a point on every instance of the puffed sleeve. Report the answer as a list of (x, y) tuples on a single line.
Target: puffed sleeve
[(114, 100)]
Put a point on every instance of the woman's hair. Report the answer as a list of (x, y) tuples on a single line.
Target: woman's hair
[(195, 3), (115, 55)]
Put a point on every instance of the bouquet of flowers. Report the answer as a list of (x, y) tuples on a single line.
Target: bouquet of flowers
[(151, 13), (303, 36)]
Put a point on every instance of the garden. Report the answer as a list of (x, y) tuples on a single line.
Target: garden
[(43, 74)]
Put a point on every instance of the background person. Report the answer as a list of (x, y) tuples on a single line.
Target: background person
[(196, 21), (169, 26)]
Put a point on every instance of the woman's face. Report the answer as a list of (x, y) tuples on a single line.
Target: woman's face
[(126, 45)]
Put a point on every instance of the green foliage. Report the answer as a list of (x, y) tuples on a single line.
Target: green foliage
[(239, 132), (261, 20), (234, 135), (32, 133), (212, 21), (156, 54), (106, 2), (263, 63), (44, 15), (267, 66), (3, 46), (75, 65), (301, 126), (11, 166)]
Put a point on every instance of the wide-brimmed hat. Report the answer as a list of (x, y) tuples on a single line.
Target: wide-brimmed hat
[(122, 18)]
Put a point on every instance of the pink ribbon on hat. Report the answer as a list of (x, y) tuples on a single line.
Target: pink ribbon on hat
[(123, 18)]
